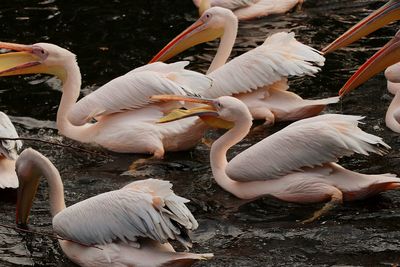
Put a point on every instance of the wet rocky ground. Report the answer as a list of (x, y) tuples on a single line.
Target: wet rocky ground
[(113, 37)]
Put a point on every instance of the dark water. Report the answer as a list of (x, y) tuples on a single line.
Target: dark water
[(113, 37)]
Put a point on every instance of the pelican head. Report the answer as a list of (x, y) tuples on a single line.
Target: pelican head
[(211, 25), (37, 58), (222, 112), (30, 167), (385, 57), (379, 18), (28, 177)]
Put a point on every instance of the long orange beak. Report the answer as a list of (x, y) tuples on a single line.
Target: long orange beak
[(385, 57), (207, 112), (199, 32), (29, 59), (376, 20), (15, 63)]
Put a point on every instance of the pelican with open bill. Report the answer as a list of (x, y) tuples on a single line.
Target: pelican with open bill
[(119, 115), (296, 164), (259, 77)]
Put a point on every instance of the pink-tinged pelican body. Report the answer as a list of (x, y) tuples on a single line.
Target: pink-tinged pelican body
[(392, 118), (258, 77), (296, 164), (131, 226), (125, 117), (388, 57), (8, 153), (251, 9)]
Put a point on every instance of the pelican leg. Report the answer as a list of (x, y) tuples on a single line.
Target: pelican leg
[(269, 118), (299, 5), (207, 141), (266, 114), (157, 156), (263, 113), (336, 199)]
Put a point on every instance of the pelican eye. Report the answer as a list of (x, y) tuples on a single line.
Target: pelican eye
[(40, 52), (219, 105)]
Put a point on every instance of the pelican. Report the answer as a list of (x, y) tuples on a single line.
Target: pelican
[(125, 118), (258, 77), (126, 227), (250, 9), (296, 164), (388, 57), (8, 153)]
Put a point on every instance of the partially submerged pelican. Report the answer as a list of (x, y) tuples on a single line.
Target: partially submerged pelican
[(296, 164), (8, 153), (251, 9), (387, 57), (258, 77), (125, 117), (122, 228)]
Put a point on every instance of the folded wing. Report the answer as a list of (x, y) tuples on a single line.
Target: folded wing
[(306, 143), (133, 90), (234, 4), (146, 208)]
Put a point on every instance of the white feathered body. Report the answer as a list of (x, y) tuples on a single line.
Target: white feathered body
[(8, 153), (250, 9), (126, 118), (132, 227), (274, 103), (259, 79), (392, 118), (136, 131), (151, 254), (297, 164)]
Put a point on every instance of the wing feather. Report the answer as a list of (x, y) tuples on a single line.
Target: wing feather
[(233, 4), (146, 208), (265, 8), (133, 90), (8, 148), (230, 4), (307, 143), (279, 57)]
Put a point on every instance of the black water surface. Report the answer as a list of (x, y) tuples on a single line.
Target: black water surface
[(113, 37)]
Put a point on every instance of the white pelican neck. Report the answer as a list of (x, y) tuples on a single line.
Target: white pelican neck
[(71, 89), (226, 44), (31, 166), (218, 152)]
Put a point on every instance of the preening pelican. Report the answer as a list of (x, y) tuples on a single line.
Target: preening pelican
[(258, 77), (250, 9), (387, 57), (129, 227), (8, 153), (295, 164), (125, 115)]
